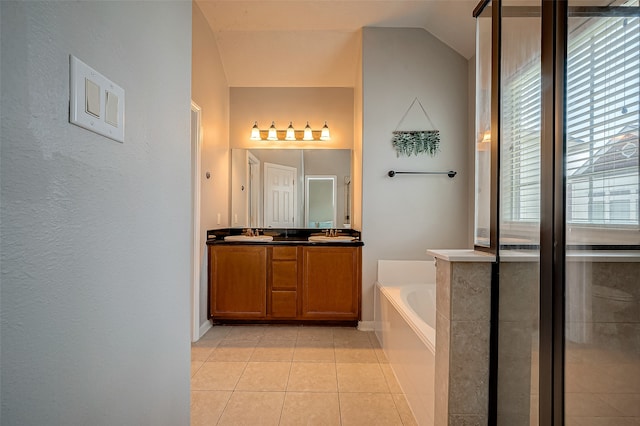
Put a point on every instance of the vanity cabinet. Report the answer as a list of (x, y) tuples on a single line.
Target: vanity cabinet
[(238, 281), (275, 283), (328, 290)]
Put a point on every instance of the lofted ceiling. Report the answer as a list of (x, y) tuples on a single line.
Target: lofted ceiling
[(300, 43)]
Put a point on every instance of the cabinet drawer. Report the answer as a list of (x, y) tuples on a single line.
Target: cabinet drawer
[(284, 275), (283, 304), (285, 253)]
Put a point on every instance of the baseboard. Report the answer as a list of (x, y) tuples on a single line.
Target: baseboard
[(366, 325), (204, 327)]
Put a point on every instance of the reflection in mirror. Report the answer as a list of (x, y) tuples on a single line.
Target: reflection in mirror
[(268, 188), (320, 201)]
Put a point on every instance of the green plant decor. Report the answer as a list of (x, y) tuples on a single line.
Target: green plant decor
[(416, 142)]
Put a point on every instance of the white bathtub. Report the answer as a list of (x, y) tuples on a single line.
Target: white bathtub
[(405, 326)]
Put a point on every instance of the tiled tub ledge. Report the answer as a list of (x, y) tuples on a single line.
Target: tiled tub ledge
[(461, 255), (463, 301)]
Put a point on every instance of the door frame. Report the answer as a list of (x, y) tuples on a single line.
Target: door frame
[(196, 155)]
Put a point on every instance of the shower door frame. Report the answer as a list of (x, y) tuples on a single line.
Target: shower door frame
[(554, 29)]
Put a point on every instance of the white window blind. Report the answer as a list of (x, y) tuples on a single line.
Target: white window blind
[(603, 95), (603, 82)]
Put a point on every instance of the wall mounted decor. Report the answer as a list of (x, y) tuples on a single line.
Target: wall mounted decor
[(410, 142)]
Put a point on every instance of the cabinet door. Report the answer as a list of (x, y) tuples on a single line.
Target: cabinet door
[(331, 283), (238, 281)]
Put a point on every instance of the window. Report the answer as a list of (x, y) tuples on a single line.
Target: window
[(603, 93)]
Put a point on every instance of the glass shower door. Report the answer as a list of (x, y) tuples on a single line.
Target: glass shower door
[(519, 215), (602, 269)]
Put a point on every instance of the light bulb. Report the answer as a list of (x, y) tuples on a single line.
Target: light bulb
[(324, 135), (291, 133), (308, 135), (255, 132), (273, 133)]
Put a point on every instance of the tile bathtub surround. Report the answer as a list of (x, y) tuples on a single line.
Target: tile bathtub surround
[(462, 341), (293, 375)]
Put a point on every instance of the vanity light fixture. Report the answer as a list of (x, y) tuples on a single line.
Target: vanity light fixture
[(308, 134), (273, 133), (290, 134), (255, 132), (324, 134)]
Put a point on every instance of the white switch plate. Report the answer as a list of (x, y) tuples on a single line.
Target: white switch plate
[(79, 72)]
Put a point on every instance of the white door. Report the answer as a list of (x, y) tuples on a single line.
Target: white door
[(279, 196)]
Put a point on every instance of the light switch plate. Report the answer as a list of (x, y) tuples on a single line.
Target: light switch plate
[(109, 119)]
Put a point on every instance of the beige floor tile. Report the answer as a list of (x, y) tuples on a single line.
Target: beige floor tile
[(628, 404), (392, 382), (404, 410), (350, 334), (311, 409), (248, 332), (264, 376), (382, 358), (206, 343), (278, 332), (216, 332), (365, 409), (356, 355), (195, 366), (253, 409), (273, 350), (200, 353), (361, 377), (588, 405), (375, 343), (217, 376), (207, 406), (233, 350), (601, 421), (324, 334), (314, 351), (312, 377)]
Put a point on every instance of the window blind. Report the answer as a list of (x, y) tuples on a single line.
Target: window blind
[(603, 82), (603, 95)]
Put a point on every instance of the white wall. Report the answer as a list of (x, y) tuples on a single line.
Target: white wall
[(405, 215), (95, 234), (210, 91)]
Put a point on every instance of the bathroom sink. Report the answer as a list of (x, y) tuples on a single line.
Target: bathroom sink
[(246, 238), (324, 239)]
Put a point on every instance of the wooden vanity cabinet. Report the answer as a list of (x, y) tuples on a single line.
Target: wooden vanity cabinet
[(284, 283), (238, 281), (331, 283)]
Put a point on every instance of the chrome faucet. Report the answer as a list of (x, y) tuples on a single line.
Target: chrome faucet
[(330, 232), (251, 233)]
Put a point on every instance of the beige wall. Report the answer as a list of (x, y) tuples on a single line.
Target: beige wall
[(356, 157), (297, 104), (210, 91)]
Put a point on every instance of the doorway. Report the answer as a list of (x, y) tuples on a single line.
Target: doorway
[(196, 142)]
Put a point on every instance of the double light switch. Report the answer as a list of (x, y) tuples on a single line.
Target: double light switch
[(96, 103)]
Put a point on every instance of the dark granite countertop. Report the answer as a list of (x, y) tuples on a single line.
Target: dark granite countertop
[(284, 236)]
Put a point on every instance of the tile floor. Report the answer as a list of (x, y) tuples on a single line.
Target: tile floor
[(292, 375)]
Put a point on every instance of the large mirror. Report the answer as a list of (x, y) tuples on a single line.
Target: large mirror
[(291, 188)]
